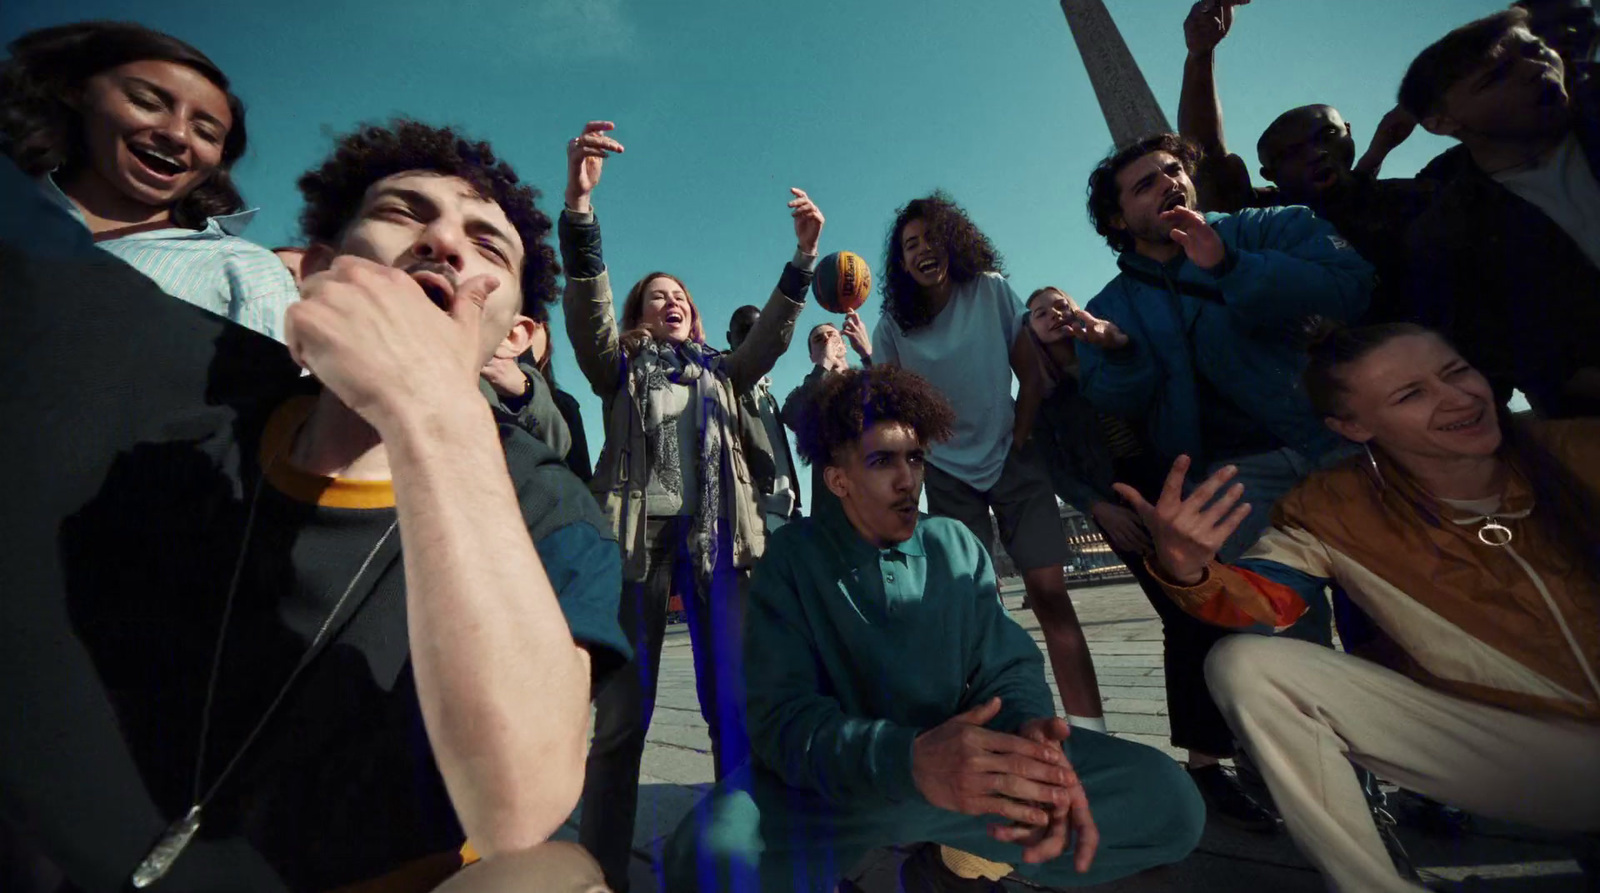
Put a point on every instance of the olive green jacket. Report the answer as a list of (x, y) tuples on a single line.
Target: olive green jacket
[(623, 469)]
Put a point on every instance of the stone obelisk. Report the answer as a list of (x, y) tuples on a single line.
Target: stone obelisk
[(1125, 99)]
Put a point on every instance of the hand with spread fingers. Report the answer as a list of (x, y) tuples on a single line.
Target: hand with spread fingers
[(1196, 237), (586, 157), (807, 221), (1188, 531), (1070, 822), (1102, 333), (855, 331), (961, 766)]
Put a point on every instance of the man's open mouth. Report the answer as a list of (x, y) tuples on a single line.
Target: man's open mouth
[(1175, 200), (437, 285), (158, 162)]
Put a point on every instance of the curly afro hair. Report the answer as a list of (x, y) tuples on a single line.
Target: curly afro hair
[(849, 403), (950, 229), (334, 191), (49, 68), (1105, 199)]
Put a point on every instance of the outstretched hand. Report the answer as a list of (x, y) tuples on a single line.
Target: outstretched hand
[(807, 221), (1196, 237), (1188, 531), (586, 157), (1207, 23), (1090, 329)]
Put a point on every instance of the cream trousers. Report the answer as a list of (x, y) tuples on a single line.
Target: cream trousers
[(1306, 713)]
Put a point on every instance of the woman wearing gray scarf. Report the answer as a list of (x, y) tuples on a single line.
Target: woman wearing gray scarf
[(673, 480)]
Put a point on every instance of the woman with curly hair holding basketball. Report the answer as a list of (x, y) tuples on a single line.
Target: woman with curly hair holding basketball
[(133, 132), (950, 316), (673, 479)]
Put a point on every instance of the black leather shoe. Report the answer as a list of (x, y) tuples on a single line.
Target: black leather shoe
[(924, 871), (1227, 801)]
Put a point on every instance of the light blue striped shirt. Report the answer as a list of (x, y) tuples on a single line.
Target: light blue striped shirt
[(214, 268)]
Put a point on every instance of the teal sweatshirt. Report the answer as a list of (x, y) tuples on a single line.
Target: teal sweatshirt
[(852, 651)]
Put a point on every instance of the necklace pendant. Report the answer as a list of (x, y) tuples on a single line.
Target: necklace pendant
[(1493, 533), (167, 850)]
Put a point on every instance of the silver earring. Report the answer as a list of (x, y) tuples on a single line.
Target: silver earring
[(1372, 465)]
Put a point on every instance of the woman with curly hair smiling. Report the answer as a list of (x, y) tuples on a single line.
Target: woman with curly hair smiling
[(950, 317), (133, 132)]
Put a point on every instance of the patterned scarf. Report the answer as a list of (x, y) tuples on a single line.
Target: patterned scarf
[(659, 364)]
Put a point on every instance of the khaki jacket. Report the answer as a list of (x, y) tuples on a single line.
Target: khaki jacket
[(623, 469)]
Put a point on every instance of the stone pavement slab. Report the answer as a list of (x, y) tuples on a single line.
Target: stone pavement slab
[(1125, 639)]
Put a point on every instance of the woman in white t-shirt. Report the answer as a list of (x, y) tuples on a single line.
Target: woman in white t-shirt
[(950, 316)]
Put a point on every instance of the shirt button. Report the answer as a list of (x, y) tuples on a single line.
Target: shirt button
[(890, 577)]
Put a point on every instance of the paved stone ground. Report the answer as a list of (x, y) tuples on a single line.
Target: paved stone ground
[(1125, 637)]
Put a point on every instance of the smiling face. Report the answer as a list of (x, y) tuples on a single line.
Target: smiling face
[(879, 481), (667, 310), (1049, 313), (1517, 93), (154, 130), (1416, 397), (1148, 188), (438, 229), (1308, 152), (922, 256)]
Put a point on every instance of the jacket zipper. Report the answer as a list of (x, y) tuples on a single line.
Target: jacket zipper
[(1561, 621)]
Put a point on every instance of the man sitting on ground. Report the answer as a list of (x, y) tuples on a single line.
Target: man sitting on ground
[(320, 629), (892, 700)]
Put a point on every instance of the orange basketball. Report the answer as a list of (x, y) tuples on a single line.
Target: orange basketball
[(843, 282)]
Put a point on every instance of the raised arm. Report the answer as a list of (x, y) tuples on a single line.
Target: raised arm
[(1199, 107), (503, 687), (775, 328), (587, 301), (1393, 130)]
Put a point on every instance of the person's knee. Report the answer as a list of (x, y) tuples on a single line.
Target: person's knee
[(1176, 814), (715, 844), (1240, 671)]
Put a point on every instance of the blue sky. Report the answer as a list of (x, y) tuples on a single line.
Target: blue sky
[(724, 104)]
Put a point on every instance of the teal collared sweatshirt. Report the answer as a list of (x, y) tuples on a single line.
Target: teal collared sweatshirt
[(852, 651)]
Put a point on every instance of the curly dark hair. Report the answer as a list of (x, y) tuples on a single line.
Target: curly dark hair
[(849, 403), (334, 191), (1105, 199), (969, 251), (41, 132)]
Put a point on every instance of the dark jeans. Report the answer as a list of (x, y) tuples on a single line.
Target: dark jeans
[(624, 707), (1196, 722)]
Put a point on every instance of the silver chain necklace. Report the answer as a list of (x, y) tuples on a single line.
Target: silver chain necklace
[(180, 833)]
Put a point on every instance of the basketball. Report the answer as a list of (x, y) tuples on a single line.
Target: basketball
[(843, 282)]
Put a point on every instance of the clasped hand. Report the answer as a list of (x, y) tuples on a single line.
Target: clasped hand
[(961, 766)]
